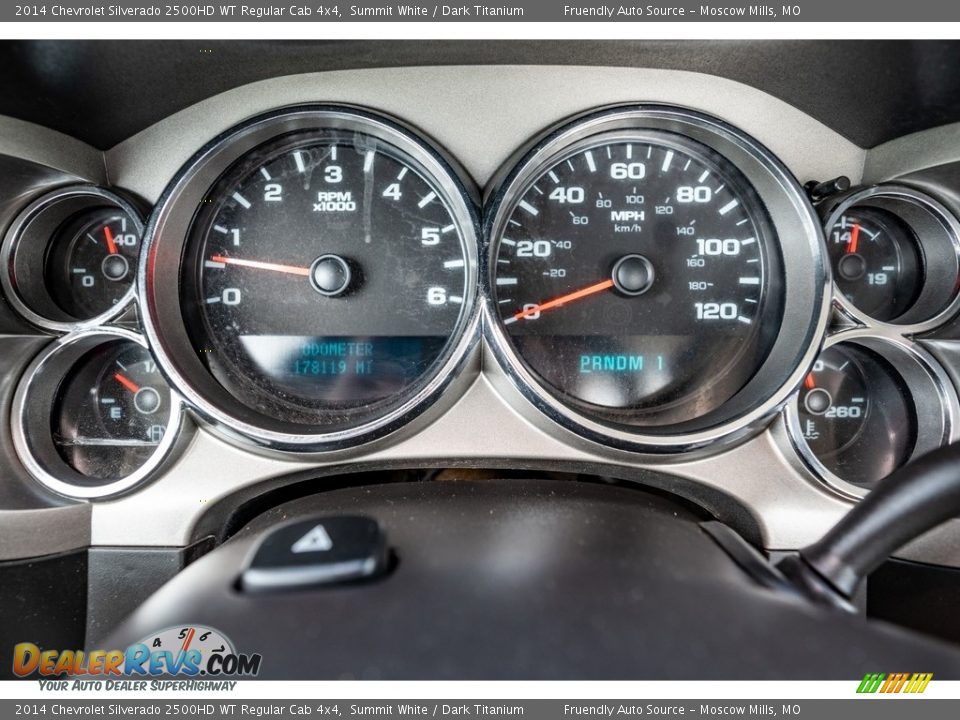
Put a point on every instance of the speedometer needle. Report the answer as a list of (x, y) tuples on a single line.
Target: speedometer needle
[(257, 265), (562, 300)]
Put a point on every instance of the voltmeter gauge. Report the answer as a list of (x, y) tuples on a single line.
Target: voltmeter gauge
[(895, 253), (877, 262)]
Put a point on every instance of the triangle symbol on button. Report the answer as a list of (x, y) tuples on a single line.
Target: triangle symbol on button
[(317, 540)]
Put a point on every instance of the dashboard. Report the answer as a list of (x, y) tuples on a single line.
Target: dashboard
[(650, 275)]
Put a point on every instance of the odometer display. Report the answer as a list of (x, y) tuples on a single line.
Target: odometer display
[(327, 274), (637, 275)]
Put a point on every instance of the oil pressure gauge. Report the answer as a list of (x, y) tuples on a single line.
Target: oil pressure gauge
[(69, 259), (92, 262)]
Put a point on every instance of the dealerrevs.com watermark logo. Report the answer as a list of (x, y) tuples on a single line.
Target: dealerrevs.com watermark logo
[(890, 683), (189, 651)]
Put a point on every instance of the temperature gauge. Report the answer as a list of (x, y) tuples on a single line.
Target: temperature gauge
[(866, 408)]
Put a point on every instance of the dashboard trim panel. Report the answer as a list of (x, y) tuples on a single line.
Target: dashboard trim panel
[(480, 114)]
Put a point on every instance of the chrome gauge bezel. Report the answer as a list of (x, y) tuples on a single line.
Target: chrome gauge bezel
[(30, 421), (807, 280), (930, 388), (939, 240), (52, 210), (160, 267)]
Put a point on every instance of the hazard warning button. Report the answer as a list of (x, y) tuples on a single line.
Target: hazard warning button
[(318, 551)]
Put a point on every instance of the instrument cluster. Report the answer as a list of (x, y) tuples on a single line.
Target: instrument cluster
[(649, 278)]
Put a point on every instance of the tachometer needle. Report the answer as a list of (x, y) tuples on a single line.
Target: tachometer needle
[(854, 239), (257, 265), (562, 300), (111, 245), (127, 383)]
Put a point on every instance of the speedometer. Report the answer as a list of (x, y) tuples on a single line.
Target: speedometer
[(638, 275), (327, 282)]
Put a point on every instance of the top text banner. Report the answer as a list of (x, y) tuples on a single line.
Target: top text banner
[(311, 11)]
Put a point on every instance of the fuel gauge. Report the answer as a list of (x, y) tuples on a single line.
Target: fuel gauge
[(93, 414), (112, 413)]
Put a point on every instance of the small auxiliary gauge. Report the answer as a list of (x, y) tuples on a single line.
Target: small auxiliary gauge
[(70, 258), (867, 407), (878, 265), (857, 415), (894, 253), (92, 261), (93, 416), (112, 412)]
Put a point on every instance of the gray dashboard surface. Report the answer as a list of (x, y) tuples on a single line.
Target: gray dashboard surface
[(519, 579), (869, 91)]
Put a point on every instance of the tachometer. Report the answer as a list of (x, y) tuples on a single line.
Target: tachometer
[(637, 272), (328, 275)]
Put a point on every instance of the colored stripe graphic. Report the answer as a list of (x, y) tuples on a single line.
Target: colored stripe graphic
[(913, 683), (871, 682)]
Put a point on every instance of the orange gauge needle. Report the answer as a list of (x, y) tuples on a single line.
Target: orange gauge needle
[(126, 382), (188, 639), (854, 239), (809, 381), (564, 299), (111, 245), (257, 265)]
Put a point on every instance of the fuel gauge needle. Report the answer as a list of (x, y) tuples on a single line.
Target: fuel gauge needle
[(259, 265), (559, 301), (127, 383)]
